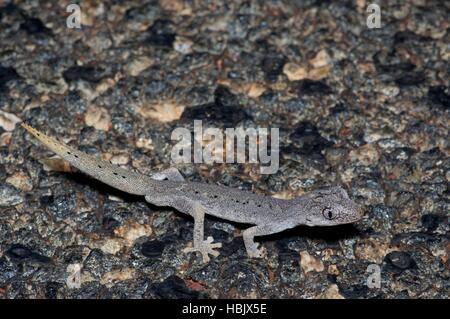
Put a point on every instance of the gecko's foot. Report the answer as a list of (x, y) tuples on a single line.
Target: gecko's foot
[(205, 248), (255, 252)]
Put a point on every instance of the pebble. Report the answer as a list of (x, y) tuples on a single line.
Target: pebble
[(132, 231), (73, 280), (372, 249), (331, 293), (310, 263), (20, 181), (272, 66), (136, 66), (22, 254), (7, 74), (173, 288), (295, 71), (9, 196), (5, 138), (98, 117), (400, 260), (183, 45), (320, 60), (162, 111), (366, 155), (8, 121), (152, 249), (86, 73), (120, 159), (109, 279), (311, 87), (255, 90)]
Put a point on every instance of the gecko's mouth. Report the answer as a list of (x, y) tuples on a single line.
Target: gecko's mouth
[(308, 222)]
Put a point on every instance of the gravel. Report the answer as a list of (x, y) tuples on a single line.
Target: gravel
[(364, 108)]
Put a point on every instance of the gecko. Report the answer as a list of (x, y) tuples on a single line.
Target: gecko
[(267, 215)]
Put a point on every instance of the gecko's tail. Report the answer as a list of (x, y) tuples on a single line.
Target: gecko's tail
[(108, 173)]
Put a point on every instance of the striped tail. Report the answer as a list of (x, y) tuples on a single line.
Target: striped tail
[(108, 173)]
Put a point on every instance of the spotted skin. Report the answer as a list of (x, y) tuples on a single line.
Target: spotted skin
[(327, 207)]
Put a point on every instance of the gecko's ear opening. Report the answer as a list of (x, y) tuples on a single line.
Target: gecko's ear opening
[(341, 192), (344, 193)]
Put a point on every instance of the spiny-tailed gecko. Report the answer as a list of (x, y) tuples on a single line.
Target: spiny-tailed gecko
[(326, 207)]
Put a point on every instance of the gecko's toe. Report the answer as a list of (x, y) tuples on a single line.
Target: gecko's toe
[(205, 258), (206, 248), (210, 244)]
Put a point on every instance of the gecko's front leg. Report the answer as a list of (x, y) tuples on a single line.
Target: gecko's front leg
[(207, 246), (249, 239)]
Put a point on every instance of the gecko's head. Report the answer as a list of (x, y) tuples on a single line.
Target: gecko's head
[(329, 207)]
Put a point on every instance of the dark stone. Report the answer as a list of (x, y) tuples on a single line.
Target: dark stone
[(51, 289), (219, 235), (338, 108), (272, 66), (7, 74), (409, 36), (174, 288), (86, 73), (289, 256), (109, 223), (437, 95), (94, 260), (63, 205), (308, 139), (355, 291), (74, 102), (396, 68), (152, 249), (411, 79), (20, 253), (310, 87), (433, 153), (162, 40), (332, 278), (223, 97), (242, 276), (161, 33), (416, 237), (431, 221), (73, 254), (34, 26), (400, 260), (9, 10), (232, 249), (45, 200), (228, 115)]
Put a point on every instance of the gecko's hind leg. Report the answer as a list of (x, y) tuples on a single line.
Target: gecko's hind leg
[(170, 174), (205, 247), (249, 239)]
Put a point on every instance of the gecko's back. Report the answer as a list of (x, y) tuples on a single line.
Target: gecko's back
[(221, 201)]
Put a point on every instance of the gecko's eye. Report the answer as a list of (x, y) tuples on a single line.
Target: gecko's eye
[(328, 213)]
